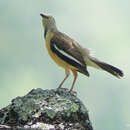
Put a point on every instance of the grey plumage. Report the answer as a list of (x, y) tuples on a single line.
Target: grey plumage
[(70, 55)]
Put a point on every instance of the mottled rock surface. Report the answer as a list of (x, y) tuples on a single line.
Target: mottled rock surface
[(55, 109)]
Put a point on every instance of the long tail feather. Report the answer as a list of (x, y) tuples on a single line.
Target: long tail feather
[(109, 68), (93, 62)]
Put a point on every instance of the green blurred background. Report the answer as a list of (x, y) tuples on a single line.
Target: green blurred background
[(103, 25)]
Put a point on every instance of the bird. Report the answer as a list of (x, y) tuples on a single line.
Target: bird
[(69, 54)]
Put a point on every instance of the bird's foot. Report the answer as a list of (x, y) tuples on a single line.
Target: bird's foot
[(62, 88), (73, 92)]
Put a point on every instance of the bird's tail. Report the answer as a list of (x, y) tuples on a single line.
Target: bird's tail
[(93, 62), (109, 68)]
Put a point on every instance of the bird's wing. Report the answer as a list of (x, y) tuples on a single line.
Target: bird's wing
[(69, 47)]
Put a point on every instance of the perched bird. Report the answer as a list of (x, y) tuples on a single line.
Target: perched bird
[(68, 54)]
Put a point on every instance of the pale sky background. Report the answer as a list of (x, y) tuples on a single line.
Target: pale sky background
[(102, 25)]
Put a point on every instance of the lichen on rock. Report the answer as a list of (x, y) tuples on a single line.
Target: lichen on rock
[(57, 108)]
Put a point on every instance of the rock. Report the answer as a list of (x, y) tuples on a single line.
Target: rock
[(47, 110)]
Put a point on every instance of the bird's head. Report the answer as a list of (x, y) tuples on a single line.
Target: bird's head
[(48, 21)]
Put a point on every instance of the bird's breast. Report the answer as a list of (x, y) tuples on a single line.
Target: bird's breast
[(56, 58)]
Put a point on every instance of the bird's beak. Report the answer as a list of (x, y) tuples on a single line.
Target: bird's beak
[(44, 16)]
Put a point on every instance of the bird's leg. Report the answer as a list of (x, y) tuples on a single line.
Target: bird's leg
[(75, 77), (63, 81), (67, 72)]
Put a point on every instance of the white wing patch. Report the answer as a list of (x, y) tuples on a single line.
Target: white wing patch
[(67, 55)]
